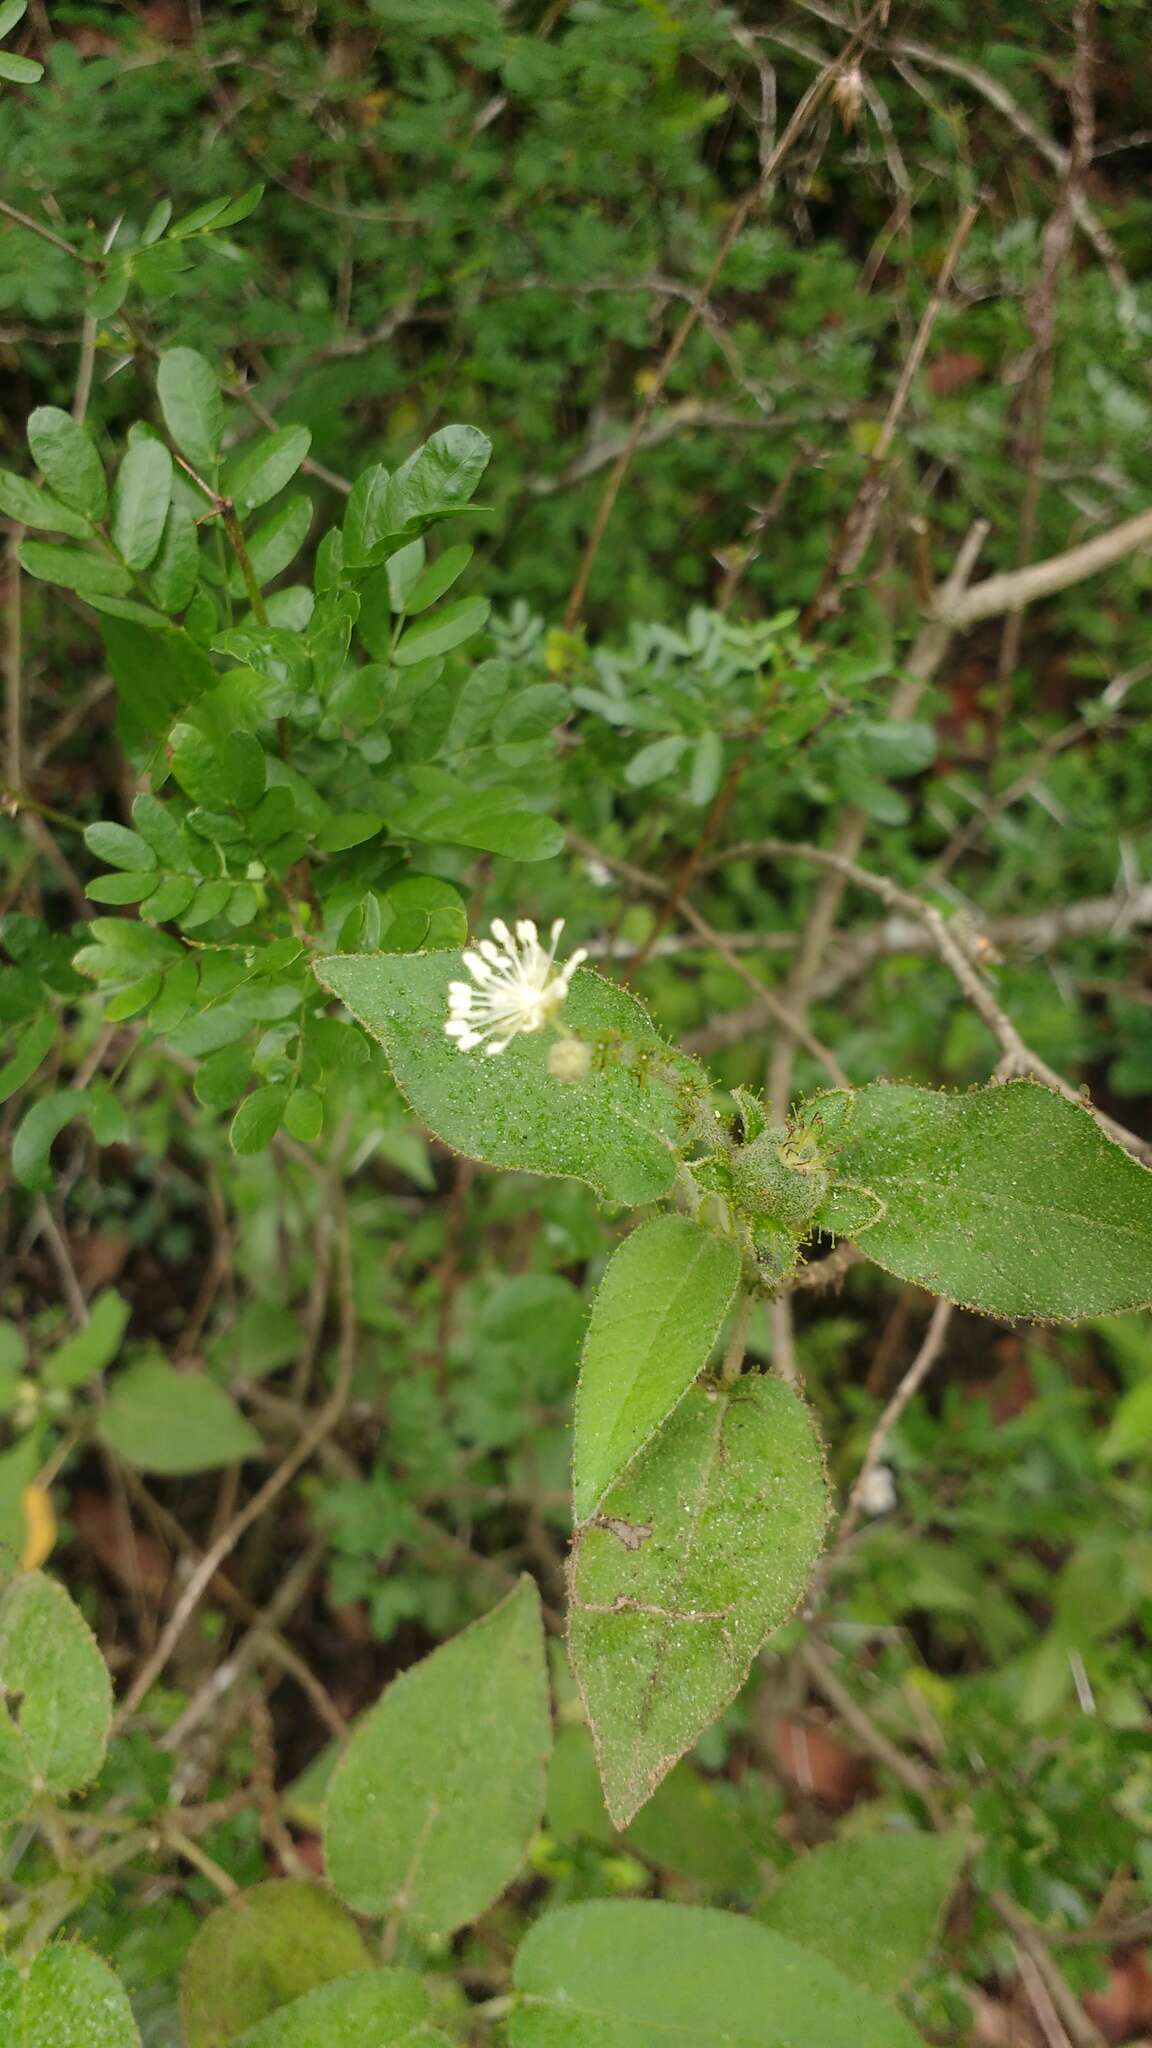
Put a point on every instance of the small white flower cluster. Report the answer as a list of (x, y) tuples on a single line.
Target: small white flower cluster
[(516, 986)]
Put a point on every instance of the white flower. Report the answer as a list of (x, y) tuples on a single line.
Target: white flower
[(516, 986)]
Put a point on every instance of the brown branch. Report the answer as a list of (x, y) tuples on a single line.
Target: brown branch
[(859, 524), (914, 1777), (926, 1357), (1108, 916)]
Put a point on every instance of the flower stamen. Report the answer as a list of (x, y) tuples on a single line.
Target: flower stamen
[(516, 987)]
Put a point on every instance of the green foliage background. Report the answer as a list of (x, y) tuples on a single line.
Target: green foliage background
[(498, 214)]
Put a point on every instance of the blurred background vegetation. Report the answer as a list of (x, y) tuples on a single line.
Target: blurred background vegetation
[(497, 211)]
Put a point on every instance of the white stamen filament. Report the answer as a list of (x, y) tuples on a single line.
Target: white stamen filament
[(516, 987)]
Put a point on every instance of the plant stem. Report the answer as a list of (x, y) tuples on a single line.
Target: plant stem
[(236, 542), (737, 1342)]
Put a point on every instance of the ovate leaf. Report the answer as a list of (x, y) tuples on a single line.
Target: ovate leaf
[(437, 479), (654, 1322), (157, 675), (192, 406), (85, 1354), (36, 1042), (444, 631), (1008, 1199), (68, 1998), (265, 1948), (65, 454), (872, 1906), (162, 1420), (265, 466), (492, 820), (140, 502), (695, 1556), (432, 1806), (31, 506), (275, 541), (42, 1124), (55, 1695), (177, 564), (74, 568), (20, 70), (631, 1974), (614, 1129)]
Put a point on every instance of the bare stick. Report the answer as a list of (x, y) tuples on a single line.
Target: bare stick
[(1015, 587), (912, 1775), (1018, 1056), (909, 1387), (1079, 2028), (1109, 916), (859, 525)]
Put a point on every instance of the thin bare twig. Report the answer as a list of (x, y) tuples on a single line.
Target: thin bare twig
[(909, 1387), (905, 1769), (859, 525)]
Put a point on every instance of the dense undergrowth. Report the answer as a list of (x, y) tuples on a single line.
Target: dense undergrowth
[(691, 636)]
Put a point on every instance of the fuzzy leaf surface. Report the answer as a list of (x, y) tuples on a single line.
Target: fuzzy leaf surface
[(54, 1725), (613, 1130), (271, 1945), (654, 1321), (434, 1801), (873, 1905), (695, 1556), (68, 1999), (629, 1974), (1008, 1199)]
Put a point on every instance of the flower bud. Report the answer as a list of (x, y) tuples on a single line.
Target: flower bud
[(569, 1059)]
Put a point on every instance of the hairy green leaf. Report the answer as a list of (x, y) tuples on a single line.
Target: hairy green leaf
[(613, 1129), (385, 2009), (432, 1806), (873, 1905), (1008, 1199), (695, 1556), (90, 1349), (66, 1998), (260, 1951), (629, 1974), (54, 1726), (655, 1319), (162, 1420)]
